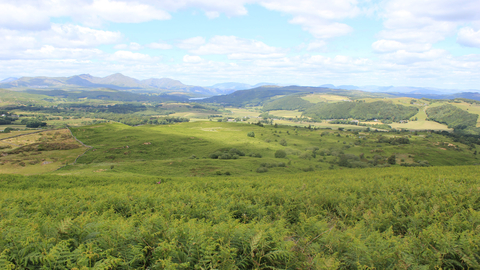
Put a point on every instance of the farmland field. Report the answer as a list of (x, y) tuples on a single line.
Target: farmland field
[(315, 98)]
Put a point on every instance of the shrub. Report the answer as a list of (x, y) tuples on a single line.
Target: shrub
[(257, 155), (391, 159), (262, 169), (308, 169), (280, 154), (251, 134), (235, 151), (306, 155), (283, 142), (224, 154)]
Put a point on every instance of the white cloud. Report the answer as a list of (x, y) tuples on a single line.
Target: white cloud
[(467, 36), (67, 40), (412, 21), (316, 45), (120, 12), (128, 56), (192, 59), (322, 29), (15, 40), (51, 52), (318, 17), (133, 46), (234, 45), (159, 46), (35, 15), (387, 46), (327, 10), (212, 14), (191, 43), (403, 57), (25, 16), (68, 35), (254, 56), (315, 16), (121, 47)]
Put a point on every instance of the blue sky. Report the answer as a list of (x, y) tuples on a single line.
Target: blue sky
[(429, 43)]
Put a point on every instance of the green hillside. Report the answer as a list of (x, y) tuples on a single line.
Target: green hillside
[(361, 111), (287, 103), (108, 94), (187, 149), (258, 96), (452, 116)]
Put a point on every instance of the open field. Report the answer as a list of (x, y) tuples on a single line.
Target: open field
[(3, 127), (286, 113), (316, 98), (240, 112), (37, 153), (421, 125)]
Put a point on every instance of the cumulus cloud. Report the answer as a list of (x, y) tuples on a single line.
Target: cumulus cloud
[(35, 15), (128, 56), (229, 45), (425, 21), (403, 57), (119, 12), (65, 39), (191, 43), (133, 46), (316, 45), (23, 17), (51, 52), (387, 46), (318, 17), (467, 36), (412, 27), (69, 35), (254, 56), (212, 14), (159, 46), (314, 16), (192, 59)]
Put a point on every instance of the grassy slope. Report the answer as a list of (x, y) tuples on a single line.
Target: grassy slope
[(471, 108), (168, 150), (33, 161), (316, 98)]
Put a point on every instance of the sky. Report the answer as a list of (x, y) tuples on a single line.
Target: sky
[(424, 43)]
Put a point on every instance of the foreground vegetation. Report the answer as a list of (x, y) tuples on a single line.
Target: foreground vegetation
[(399, 218)]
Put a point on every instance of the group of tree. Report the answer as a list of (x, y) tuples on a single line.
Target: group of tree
[(33, 122), (452, 116), (288, 103), (361, 111)]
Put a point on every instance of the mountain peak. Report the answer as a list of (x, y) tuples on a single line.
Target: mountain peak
[(9, 79)]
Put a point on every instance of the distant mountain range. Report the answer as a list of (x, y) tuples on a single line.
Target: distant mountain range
[(118, 82), (166, 85), (400, 89)]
